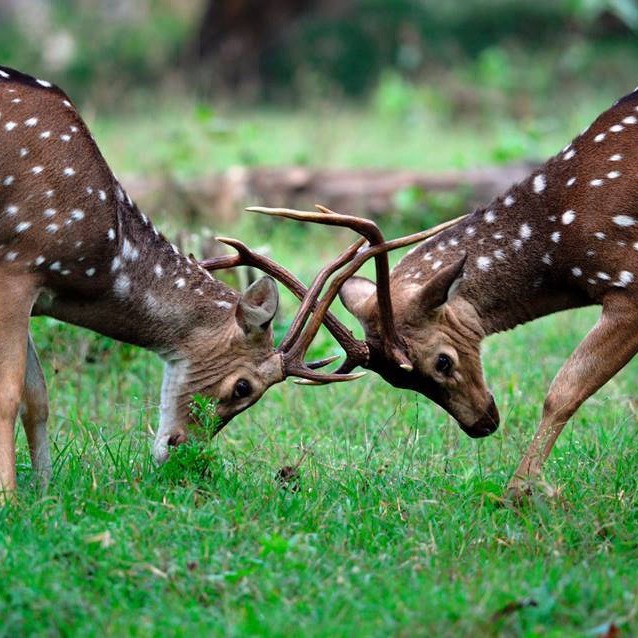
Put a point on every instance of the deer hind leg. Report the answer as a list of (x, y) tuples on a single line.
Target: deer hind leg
[(605, 350), (16, 299), (35, 412)]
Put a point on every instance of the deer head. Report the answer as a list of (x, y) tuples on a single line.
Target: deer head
[(417, 337), (440, 337)]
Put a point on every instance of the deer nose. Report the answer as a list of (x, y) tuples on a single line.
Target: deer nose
[(177, 439), (486, 425)]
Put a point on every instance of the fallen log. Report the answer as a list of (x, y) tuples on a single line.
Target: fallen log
[(218, 199)]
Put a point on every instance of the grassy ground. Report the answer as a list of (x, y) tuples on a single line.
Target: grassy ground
[(393, 526)]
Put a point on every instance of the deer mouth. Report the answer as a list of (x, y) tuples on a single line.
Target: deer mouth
[(486, 425)]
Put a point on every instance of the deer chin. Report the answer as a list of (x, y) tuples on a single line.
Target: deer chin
[(486, 425)]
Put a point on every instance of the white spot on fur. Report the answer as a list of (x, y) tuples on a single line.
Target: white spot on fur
[(65, 137), (116, 264), (547, 259), (77, 214), (36, 170), (159, 271), (600, 137), (539, 183), (111, 234), (437, 264), (39, 260), (518, 244), (613, 174), (615, 158), (470, 230), (11, 255), (180, 283), (90, 272), (603, 275), (499, 254), (32, 121), (9, 126), (525, 232), (570, 153), (49, 212), (122, 285), (102, 195), (45, 135), (568, 217), (625, 277), (577, 272), (630, 119), (129, 252), (623, 220), (489, 217), (56, 265), (600, 235), (616, 128), (24, 152), (225, 305), (11, 209), (8, 180), (570, 182), (596, 182), (4, 74), (52, 228), (44, 83), (508, 201), (556, 237), (484, 263), (22, 226), (69, 171)]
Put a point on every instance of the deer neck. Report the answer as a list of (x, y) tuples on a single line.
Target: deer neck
[(146, 293), (515, 261)]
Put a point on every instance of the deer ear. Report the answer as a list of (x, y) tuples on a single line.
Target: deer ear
[(438, 290), (358, 295), (258, 305)]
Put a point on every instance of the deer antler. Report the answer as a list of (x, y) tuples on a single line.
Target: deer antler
[(356, 350), (378, 249)]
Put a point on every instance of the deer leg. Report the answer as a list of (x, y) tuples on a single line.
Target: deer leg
[(35, 412), (16, 299), (605, 350)]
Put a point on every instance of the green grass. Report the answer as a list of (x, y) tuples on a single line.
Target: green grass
[(396, 527)]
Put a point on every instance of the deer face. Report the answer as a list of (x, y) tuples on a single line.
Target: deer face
[(233, 365), (441, 335)]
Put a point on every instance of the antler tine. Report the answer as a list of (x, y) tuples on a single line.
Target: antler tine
[(356, 350)]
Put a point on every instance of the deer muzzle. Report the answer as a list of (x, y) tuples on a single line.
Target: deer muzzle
[(486, 425)]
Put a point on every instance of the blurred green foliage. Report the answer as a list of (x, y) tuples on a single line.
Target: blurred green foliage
[(102, 49)]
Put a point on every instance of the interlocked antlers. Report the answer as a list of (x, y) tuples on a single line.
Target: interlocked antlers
[(297, 340)]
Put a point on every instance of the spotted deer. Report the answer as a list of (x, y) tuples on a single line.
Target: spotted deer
[(75, 247), (565, 237)]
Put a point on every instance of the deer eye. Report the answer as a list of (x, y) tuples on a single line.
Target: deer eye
[(242, 389), (444, 364)]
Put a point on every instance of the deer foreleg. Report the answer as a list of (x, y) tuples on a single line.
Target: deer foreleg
[(35, 412), (605, 350), (16, 299)]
